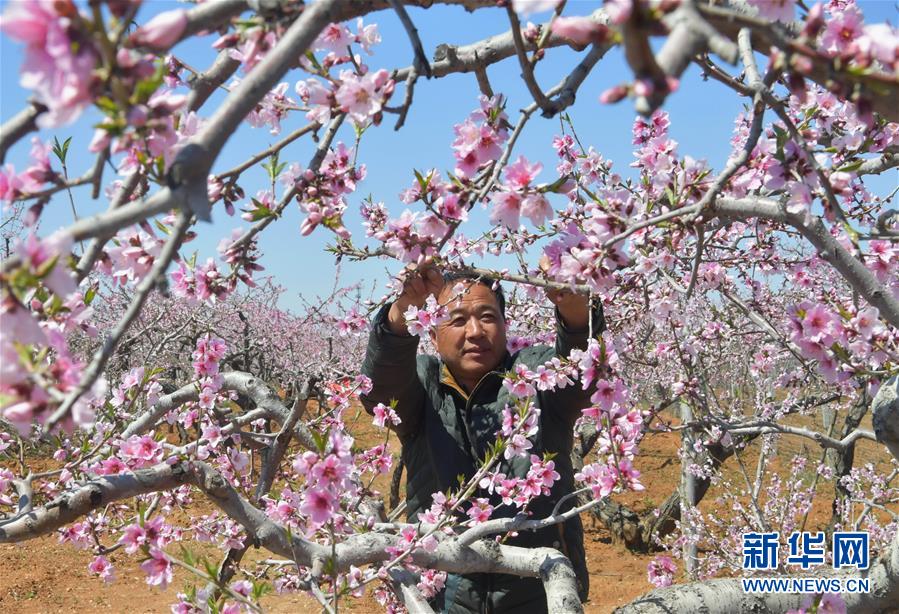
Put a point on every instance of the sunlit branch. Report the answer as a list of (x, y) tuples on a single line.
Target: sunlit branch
[(420, 63), (18, 126), (527, 71), (262, 155), (203, 84), (853, 271)]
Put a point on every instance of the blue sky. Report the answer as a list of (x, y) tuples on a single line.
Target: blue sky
[(702, 116)]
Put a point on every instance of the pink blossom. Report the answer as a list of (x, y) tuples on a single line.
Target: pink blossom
[(367, 35), (142, 448), (271, 109), (37, 252), (544, 473), (776, 10), (136, 536), (59, 59), (480, 510), (383, 414), (865, 320), (608, 394), (817, 321), (479, 138), (362, 97), (517, 446), (319, 505), (506, 209), (661, 570), (613, 94), (841, 30), (100, 566), (599, 478), (316, 96), (335, 38), (158, 568), (618, 11), (518, 384), (521, 173), (432, 582), (536, 208), (580, 30), (161, 32), (879, 42), (831, 603)]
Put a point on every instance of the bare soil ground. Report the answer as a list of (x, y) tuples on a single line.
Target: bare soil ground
[(44, 576)]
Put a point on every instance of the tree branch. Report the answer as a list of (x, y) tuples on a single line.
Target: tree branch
[(420, 63), (853, 271), (204, 84), (105, 352), (18, 126)]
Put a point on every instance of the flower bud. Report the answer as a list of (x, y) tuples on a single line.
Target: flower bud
[(613, 94), (162, 31)]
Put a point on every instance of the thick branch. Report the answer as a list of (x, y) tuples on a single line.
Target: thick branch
[(885, 410), (853, 271), (18, 126), (551, 566), (405, 584), (420, 62), (245, 383), (205, 83), (725, 595), (477, 56)]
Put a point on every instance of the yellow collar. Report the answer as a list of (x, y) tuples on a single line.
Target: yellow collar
[(447, 378)]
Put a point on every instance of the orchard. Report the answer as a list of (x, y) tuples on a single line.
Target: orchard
[(159, 398)]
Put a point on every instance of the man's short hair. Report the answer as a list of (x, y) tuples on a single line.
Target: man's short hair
[(495, 286)]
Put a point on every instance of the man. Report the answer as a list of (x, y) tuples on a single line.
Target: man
[(451, 411)]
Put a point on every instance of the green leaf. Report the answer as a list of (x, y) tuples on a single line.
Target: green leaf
[(273, 167), (188, 556), (162, 227), (852, 232), (260, 589), (851, 166), (147, 87), (210, 568), (321, 440), (90, 295), (61, 149), (422, 182), (45, 268), (107, 105)]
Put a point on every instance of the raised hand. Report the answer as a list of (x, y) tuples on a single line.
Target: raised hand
[(419, 281), (572, 307)]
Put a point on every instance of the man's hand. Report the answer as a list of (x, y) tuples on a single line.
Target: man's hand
[(574, 308), (419, 281)]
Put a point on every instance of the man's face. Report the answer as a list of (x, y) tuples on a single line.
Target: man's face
[(472, 341)]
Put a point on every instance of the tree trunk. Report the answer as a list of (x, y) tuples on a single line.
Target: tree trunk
[(842, 460)]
